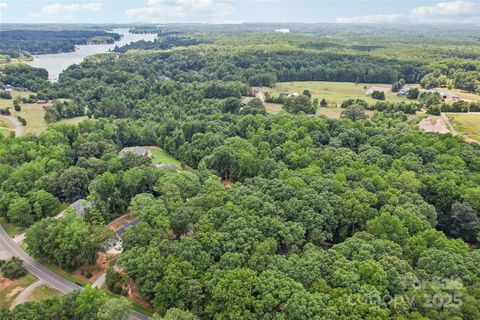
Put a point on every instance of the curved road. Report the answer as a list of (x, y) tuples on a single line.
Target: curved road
[(48, 277), (16, 123)]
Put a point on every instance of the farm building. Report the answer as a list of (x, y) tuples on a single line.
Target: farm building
[(139, 151), (444, 95), (42, 101)]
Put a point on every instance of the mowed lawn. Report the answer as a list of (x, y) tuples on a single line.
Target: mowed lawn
[(334, 92), (33, 113), (43, 292), (10, 289), (467, 124), (161, 156)]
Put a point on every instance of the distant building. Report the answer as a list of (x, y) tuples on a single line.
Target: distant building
[(282, 30), (42, 101), (7, 87), (294, 95), (139, 151), (403, 91), (444, 95)]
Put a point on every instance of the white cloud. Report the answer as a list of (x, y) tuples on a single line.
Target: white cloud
[(453, 11), (453, 8), (457, 11), (379, 18), (3, 5), (58, 8), (159, 11)]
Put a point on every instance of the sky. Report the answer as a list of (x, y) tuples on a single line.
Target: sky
[(238, 11)]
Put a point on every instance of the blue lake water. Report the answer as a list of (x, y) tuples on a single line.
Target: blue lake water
[(56, 63)]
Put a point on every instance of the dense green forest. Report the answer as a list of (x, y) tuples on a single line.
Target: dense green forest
[(15, 42), (287, 216)]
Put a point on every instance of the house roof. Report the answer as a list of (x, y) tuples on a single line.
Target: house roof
[(125, 225), (140, 151), (80, 205)]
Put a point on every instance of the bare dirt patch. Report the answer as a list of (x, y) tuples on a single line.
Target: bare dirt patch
[(135, 296), (5, 282), (468, 139), (436, 125), (227, 183), (14, 292), (95, 270)]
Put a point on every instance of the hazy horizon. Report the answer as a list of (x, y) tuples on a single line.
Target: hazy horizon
[(246, 11)]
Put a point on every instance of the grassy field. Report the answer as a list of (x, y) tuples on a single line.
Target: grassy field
[(9, 289), (273, 108), (334, 113), (56, 269), (11, 229), (6, 124), (467, 124), (43, 292), (337, 92), (161, 156), (33, 113), (333, 92)]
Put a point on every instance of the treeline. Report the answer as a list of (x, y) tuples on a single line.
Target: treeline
[(25, 76), (161, 43), (42, 41), (258, 68), (381, 106), (144, 29), (434, 104), (63, 110)]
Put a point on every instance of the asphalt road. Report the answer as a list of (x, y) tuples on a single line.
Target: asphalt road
[(16, 123), (50, 278)]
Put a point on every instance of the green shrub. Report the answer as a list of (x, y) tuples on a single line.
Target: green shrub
[(13, 268)]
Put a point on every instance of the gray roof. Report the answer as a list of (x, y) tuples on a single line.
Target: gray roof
[(125, 225), (80, 205), (139, 151)]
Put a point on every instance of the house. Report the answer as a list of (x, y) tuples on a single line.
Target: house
[(7, 87), (403, 92), (139, 151), (294, 95), (166, 166), (79, 206), (42, 101), (119, 226), (444, 95)]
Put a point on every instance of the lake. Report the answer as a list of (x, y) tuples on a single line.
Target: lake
[(56, 63)]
